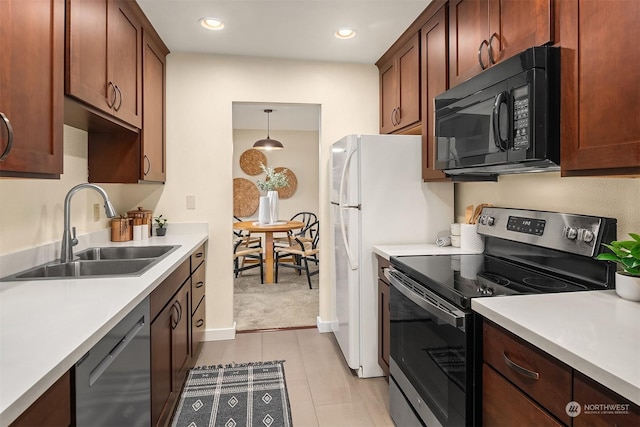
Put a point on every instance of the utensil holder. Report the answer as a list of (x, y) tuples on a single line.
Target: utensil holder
[(470, 240)]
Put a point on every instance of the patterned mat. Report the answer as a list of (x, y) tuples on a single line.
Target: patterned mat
[(251, 394)]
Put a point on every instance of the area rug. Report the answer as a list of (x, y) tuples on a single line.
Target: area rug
[(286, 304), (250, 394)]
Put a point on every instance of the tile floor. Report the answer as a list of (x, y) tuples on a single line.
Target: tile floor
[(322, 390)]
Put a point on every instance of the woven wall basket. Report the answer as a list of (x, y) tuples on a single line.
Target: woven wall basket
[(286, 192), (250, 161), (246, 197)]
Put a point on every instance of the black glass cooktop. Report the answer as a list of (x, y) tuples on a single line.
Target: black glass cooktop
[(459, 278)]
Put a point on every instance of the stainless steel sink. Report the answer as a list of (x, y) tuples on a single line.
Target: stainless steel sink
[(124, 252), (99, 262)]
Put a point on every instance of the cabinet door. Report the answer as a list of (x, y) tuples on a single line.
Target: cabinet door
[(600, 126), (125, 62), (153, 111), (586, 391), (87, 69), (52, 409), (198, 325), (505, 405), (388, 96), (516, 25), (180, 337), (408, 75), (468, 28), (161, 389), (31, 90), (434, 81)]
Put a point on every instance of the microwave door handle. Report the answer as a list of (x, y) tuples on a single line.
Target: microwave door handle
[(501, 98)]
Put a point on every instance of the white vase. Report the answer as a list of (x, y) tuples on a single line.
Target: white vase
[(264, 213), (273, 206), (628, 287)]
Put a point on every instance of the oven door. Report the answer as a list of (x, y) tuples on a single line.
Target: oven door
[(431, 353)]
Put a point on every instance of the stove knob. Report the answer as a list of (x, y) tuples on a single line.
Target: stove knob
[(490, 220), (572, 233), (587, 235)]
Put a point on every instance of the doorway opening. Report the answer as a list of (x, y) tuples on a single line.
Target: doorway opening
[(287, 303)]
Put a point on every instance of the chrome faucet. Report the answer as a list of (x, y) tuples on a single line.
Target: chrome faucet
[(68, 242)]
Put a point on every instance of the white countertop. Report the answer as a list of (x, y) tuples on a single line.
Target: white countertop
[(47, 325), (387, 251), (596, 332)]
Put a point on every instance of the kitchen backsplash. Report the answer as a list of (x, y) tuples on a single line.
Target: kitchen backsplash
[(610, 197)]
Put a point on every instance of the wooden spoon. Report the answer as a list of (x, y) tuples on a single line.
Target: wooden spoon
[(476, 213), (467, 214)]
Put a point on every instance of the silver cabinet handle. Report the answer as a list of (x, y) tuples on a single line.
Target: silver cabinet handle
[(119, 103), (397, 116), (7, 124), (393, 117), (199, 323), (484, 42), (491, 58), (519, 369), (146, 158), (199, 285), (115, 95)]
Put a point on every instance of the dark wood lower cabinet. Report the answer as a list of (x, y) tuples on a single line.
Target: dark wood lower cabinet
[(384, 317), (588, 393), (52, 409)]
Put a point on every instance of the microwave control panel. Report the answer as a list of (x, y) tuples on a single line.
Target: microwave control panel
[(521, 129)]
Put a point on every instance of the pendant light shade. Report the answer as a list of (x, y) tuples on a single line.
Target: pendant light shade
[(268, 143)]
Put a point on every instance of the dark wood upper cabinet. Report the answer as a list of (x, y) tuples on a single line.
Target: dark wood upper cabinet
[(153, 110), (400, 88), (600, 109), (104, 59), (434, 45), (485, 32), (31, 88)]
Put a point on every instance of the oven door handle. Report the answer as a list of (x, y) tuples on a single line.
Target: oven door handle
[(455, 318)]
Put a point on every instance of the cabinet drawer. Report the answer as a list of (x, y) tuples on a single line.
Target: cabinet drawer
[(163, 293), (198, 325), (545, 379), (587, 391), (503, 404), (197, 286), (197, 257)]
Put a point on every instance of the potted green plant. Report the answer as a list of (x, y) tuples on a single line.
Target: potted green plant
[(272, 182), (625, 253), (160, 223)]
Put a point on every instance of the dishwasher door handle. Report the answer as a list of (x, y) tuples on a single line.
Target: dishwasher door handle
[(104, 364)]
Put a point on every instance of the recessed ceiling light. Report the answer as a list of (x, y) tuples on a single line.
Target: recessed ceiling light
[(345, 33), (211, 24)]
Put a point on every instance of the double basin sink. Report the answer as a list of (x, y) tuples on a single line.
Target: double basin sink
[(100, 262)]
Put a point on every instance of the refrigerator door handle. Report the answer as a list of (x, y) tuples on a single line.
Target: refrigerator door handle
[(353, 264)]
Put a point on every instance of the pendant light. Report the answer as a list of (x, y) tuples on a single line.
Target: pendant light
[(268, 143)]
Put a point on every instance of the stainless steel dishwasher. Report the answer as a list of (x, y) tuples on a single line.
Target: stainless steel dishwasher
[(113, 386)]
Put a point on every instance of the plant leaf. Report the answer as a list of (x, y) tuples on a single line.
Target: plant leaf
[(635, 236), (607, 257)]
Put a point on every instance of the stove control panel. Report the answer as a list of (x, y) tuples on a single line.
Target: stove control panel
[(578, 234)]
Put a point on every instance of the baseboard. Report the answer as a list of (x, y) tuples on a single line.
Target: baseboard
[(323, 326), (220, 334)]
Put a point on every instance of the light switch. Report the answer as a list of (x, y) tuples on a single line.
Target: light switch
[(191, 202)]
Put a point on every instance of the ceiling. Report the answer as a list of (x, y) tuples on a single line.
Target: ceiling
[(288, 29), (294, 29)]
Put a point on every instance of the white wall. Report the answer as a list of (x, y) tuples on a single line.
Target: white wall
[(301, 156), (200, 154), (609, 197), (31, 210)]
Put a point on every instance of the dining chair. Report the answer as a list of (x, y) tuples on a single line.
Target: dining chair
[(248, 241), (247, 253), (303, 251), (303, 234)]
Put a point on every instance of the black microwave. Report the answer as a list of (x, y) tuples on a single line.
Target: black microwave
[(504, 120)]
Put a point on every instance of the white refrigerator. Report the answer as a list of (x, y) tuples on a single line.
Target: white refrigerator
[(377, 198)]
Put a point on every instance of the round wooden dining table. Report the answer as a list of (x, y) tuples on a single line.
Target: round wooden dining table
[(268, 230)]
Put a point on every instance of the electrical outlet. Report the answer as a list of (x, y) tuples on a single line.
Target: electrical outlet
[(96, 212), (191, 202)]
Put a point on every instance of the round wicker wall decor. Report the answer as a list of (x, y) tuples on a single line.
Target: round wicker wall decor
[(246, 197), (250, 161), (286, 192)]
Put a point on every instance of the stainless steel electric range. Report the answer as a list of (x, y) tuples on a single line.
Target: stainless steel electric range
[(436, 342)]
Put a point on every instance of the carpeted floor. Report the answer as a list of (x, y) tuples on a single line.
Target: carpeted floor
[(288, 303)]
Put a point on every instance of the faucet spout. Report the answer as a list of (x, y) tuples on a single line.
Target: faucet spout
[(68, 242)]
